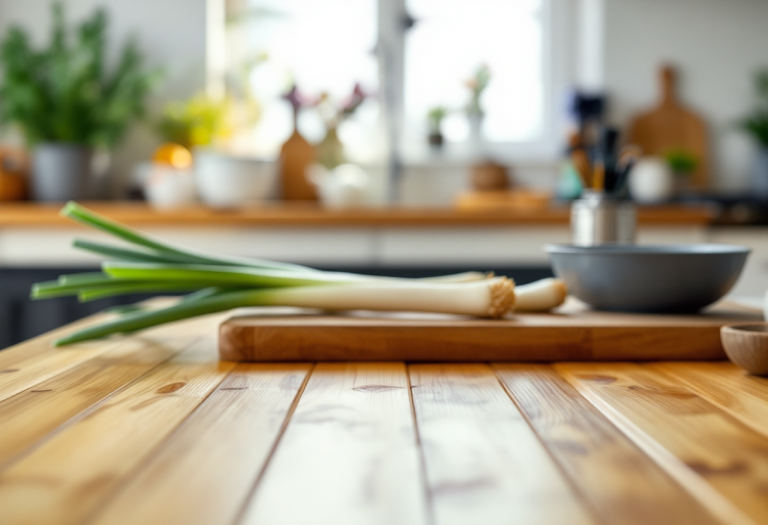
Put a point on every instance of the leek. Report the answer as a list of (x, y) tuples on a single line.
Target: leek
[(222, 283)]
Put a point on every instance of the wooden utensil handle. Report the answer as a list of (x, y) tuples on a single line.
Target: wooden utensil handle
[(668, 85)]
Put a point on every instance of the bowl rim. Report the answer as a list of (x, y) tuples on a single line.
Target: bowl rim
[(650, 249), (753, 329)]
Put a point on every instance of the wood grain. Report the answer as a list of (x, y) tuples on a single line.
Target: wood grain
[(49, 361), (723, 463), (483, 462), (621, 483), (313, 215), (42, 343), (30, 415), (349, 454), (573, 333), (229, 438), (64, 479), (727, 386)]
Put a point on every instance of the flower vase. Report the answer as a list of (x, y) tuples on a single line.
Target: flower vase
[(330, 151), (476, 129)]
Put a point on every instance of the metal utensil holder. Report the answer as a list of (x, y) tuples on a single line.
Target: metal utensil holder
[(597, 218)]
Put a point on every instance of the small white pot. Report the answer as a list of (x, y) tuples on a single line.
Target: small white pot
[(651, 181), (166, 187), (345, 186), (229, 181)]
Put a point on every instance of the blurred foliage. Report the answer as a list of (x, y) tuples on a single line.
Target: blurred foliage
[(199, 121), (756, 124), (435, 118), (64, 93), (681, 161)]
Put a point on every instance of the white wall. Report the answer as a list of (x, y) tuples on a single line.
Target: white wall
[(717, 46), (170, 32)]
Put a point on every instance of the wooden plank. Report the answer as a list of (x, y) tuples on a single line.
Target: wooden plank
[(64, 479), (573, 333), (483, 462), (43, 365), (42, 343), (349, 454), (620, 482), (228, 438), (723, 463), (30, 415), (727, 386)]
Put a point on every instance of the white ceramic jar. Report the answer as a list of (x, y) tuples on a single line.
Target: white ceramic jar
[(651, 181), (166, 187)]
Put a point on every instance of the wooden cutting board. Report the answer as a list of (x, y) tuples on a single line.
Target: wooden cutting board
[(573, 333), (672, 126)]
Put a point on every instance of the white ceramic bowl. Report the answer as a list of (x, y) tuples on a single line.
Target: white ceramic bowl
[(230, 181)]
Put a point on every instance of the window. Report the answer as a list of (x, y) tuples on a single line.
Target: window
[(448, 42), (329, 45)]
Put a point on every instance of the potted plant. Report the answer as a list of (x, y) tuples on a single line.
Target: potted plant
[(66, 103), (682, 163), (756, 125), (435, 118)]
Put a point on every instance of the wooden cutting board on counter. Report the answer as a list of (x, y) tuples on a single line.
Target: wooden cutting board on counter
[(671, 126), (572, 333)]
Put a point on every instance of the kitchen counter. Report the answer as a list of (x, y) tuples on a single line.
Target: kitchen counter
[(152, 428), (312, 215)]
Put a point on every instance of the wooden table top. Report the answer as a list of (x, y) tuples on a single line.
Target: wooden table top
[(152, 428), (312, 215)]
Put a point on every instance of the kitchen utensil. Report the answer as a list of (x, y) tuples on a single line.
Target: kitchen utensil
[(671, 126), (229, 181), (747, 346), (572, 333), (597, 218), (651, 181), (583, 166), (674, 278)]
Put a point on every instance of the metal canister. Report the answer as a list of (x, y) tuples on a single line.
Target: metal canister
[(597, 218)]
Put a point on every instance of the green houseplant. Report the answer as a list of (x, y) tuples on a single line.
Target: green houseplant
[(756, 124), (67, 103)]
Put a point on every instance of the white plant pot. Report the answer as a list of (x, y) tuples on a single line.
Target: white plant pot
[(229, 181), (651, 181)]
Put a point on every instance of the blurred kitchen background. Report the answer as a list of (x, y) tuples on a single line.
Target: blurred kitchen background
[(399, 137)]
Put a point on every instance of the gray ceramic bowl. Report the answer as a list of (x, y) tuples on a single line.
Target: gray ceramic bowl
[(630, 278)]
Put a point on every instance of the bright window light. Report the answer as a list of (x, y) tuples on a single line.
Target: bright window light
[(324, 46), (450, 40)]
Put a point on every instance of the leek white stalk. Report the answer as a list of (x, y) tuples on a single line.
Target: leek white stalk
[(487, 298), (540, 296)]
